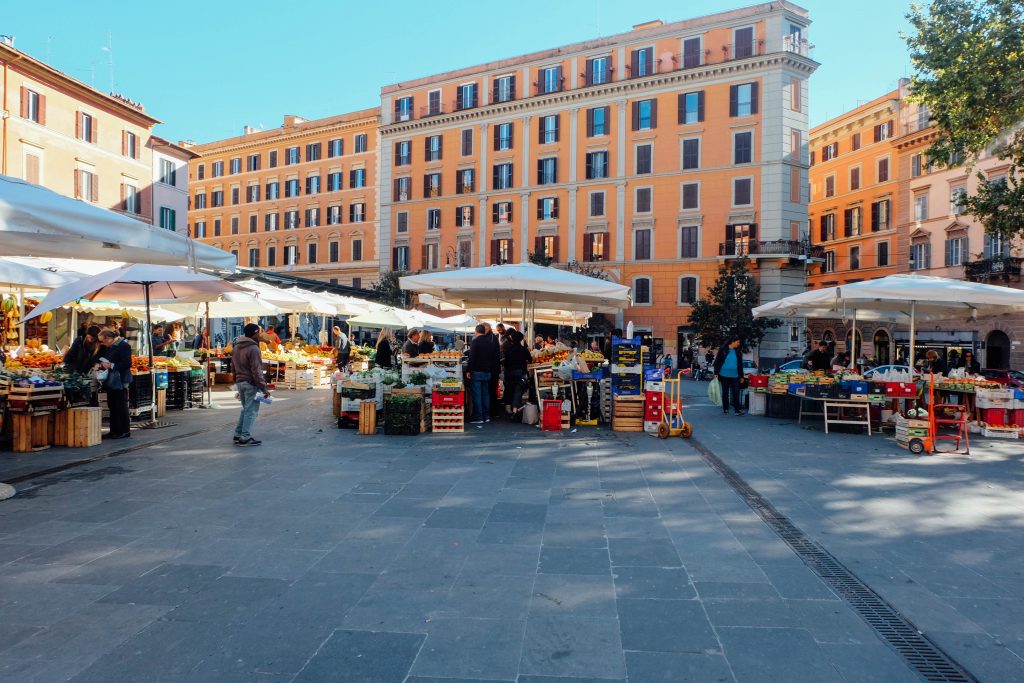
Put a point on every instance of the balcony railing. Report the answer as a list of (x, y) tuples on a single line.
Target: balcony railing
[(1005, 268), (738, 248), (432, 110), (797, 45), (742, 50)]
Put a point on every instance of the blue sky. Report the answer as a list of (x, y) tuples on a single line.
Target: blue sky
[(208, 68)]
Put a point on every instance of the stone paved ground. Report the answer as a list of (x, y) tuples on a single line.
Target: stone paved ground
[(501, 555)]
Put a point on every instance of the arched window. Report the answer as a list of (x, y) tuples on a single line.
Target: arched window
[(881, 347)]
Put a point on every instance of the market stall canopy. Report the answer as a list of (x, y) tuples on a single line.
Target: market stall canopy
[(239, 305), (542, 286), (14, 274), (35, 221), (549, 316), (134, 284), (461, 323), (348, 305), (289, 300), (339, 305), (389, 318), (113, 309)]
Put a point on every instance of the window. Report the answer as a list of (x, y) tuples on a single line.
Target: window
[(311, 252), (829, 152), (359, 143), (645, 115), (467, 142), (235, 165), (693, 53), (547, 246), (957, 195), (400, 258), (357, 250), (644, 162), (235, 195), (995, 247), (595, 246), (641, 62), (916, 166), (291, 156), (502, 177), (795, 185), (200, 230), (335, 148), (501, 251), (827, 226), (689, 246), (32, 106), (691, 153), (433, 219), (357, 178), (642, 244), (852, 223), (642, 200), (356, 212), (333, 252), (168, 218), (854, 258), (465, 254), (216, 227), (547, 171), (130, 203), (687, 290), (550, 80), (252, 194), (830, 186), (334, 215), (402, 221), (464, 216), (254, 257), (234, 225), (313, 184), (597, 165), (313, 151), (548, 129), (403, 153), (312, 217), (743, 147), (547, 208), (291, 187), (271, 256), (921, 207), (744, 39), (956, 251), (743, 99), (272, 159), (830, 262), (880, 215), (598, 71), (501, 213), (217, 169), (882, 253), (796, 94), (273, 189), (432, 148), (855, 142), (597, 121), (466, 96), (433, 102), (596, 204), (334, 181), (252, 162), (87, 127), (855, 178), (883, 131), (883, 170), (742, 194), (642, 291), (432, 185), (920, 256), (503, 137), (403, 109), (270, 222), (131, 145), (402, 187), (691, 196), (291, 220), (504, 89), (465, 181), (691, 107), (201, 171), (217, 198)]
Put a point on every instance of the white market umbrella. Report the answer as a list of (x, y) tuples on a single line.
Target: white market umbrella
[(388, 318), (297, 301), (900, 298), (18, 275), (35, 221)]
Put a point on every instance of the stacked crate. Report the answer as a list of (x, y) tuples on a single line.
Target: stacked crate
[(140, 394), (628, 413), (448, 409), (178, 390)]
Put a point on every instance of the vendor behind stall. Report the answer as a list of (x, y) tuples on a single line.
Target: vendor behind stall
[(342, 347), (411, 347), (970, 365), (933, 363), (820, 360), (160, 340)]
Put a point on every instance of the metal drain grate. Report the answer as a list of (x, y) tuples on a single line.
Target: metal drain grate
[(924, 656)]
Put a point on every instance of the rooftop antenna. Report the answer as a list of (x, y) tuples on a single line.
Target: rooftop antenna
[(109, 49)]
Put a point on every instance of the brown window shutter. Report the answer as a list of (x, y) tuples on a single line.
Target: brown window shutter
[(538, 245), (558, 124), (636, 115), (588, 77), (78, 185), (540, 129), (733, 100), (590, 123), (700, 106), (556, 251), (588, 247), (494, 214), (440, 148), (124, 143), (494, 252), (512, 134), (425, 255), (496, 127), (512, 243), (540, 209), (681, 108), (426, 148), (124, 198), (634, 63), (654, 113), (753, 97), (42, 110), (78, 125), (472, 215), (24, 102), (95, 187), (554, 209), (753, 231)]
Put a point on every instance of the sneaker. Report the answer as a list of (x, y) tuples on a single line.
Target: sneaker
[(741, 412), (236, 439), (248, 442), (487, 419), (126, 435), (476, 422)]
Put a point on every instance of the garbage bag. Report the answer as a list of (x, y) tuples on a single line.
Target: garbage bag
[(715, 392)]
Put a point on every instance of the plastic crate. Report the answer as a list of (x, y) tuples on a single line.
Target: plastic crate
[(901, 389), (855, 386), (757, 381), (448, 399), (797, 388)]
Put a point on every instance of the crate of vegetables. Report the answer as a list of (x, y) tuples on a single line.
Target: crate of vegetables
[(404, 415), (28, 396)]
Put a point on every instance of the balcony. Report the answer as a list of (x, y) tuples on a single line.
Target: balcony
[(1006, 268), (433, 110), (797, 45), (742, 50), (770, 249)]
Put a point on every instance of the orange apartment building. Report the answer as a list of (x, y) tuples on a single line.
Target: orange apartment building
[(300, 199), (654, 154)]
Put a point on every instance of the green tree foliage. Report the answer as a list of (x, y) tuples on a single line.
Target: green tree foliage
[(587, 269), (969, 61), (728, 307), (539, 259), (388, 291)]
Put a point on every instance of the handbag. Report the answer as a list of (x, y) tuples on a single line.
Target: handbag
[(114, 381)]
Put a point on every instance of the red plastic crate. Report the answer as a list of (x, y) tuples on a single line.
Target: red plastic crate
[(757, 380), (1017, 417), (901, 389), (448, 400), (551, 416), (995, 416)]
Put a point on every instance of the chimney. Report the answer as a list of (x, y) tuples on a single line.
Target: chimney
[(291, 120), (248, 130), (648, 24), (7, 40)]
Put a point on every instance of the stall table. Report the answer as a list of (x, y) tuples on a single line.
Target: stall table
[(840, 405)]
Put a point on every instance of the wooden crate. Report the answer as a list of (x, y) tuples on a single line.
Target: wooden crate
[(31, 431), (368, 418), (335, 404), (85, 427), (60, 427), (161, 402), (448, 420), (628, 413), (32, 399)]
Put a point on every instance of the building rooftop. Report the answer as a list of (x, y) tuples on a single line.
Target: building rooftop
[(292, 125)]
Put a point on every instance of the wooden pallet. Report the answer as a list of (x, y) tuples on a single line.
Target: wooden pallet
[(448, 420)]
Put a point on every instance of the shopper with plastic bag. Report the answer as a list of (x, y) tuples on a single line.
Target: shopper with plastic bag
[(715, 392)]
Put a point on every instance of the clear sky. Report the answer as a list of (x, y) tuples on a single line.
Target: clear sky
[(208, 68)]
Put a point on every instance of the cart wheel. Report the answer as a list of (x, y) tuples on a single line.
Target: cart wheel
[(916, 446), (663, 431), (687, 431)]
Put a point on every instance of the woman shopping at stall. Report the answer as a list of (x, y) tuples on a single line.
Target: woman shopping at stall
[(517, 357), (385, 352), (426, 343), (117, 360)]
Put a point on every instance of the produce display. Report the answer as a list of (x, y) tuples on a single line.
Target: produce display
[(550, 356), (591, 355), (966, 384), (439, 356)]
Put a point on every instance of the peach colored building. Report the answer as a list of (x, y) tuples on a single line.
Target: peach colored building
[(655, 154), (77, 141), (300, 199)]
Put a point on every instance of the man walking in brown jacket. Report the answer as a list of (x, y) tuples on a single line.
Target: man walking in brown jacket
[(247, 364)]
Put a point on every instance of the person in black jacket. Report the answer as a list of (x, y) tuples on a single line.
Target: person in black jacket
[(117, 357), (478, 372), (385, 354), (516, 358), (84, 351), (820, 359), (972, 366), (729, 371), (497, 404)]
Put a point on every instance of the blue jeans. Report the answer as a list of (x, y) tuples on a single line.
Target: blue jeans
[(250, 408), (480, 382)]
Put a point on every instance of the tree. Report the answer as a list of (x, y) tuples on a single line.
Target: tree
[(538, 258), (728, 309), (586, 269), (387, 289), (969, 61)]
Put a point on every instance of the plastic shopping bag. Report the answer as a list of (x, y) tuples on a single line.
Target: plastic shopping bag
[(715, 392)]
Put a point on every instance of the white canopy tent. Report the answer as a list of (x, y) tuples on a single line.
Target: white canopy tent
[(899, 298), (385, 318), (35, 221), (290, 300)]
